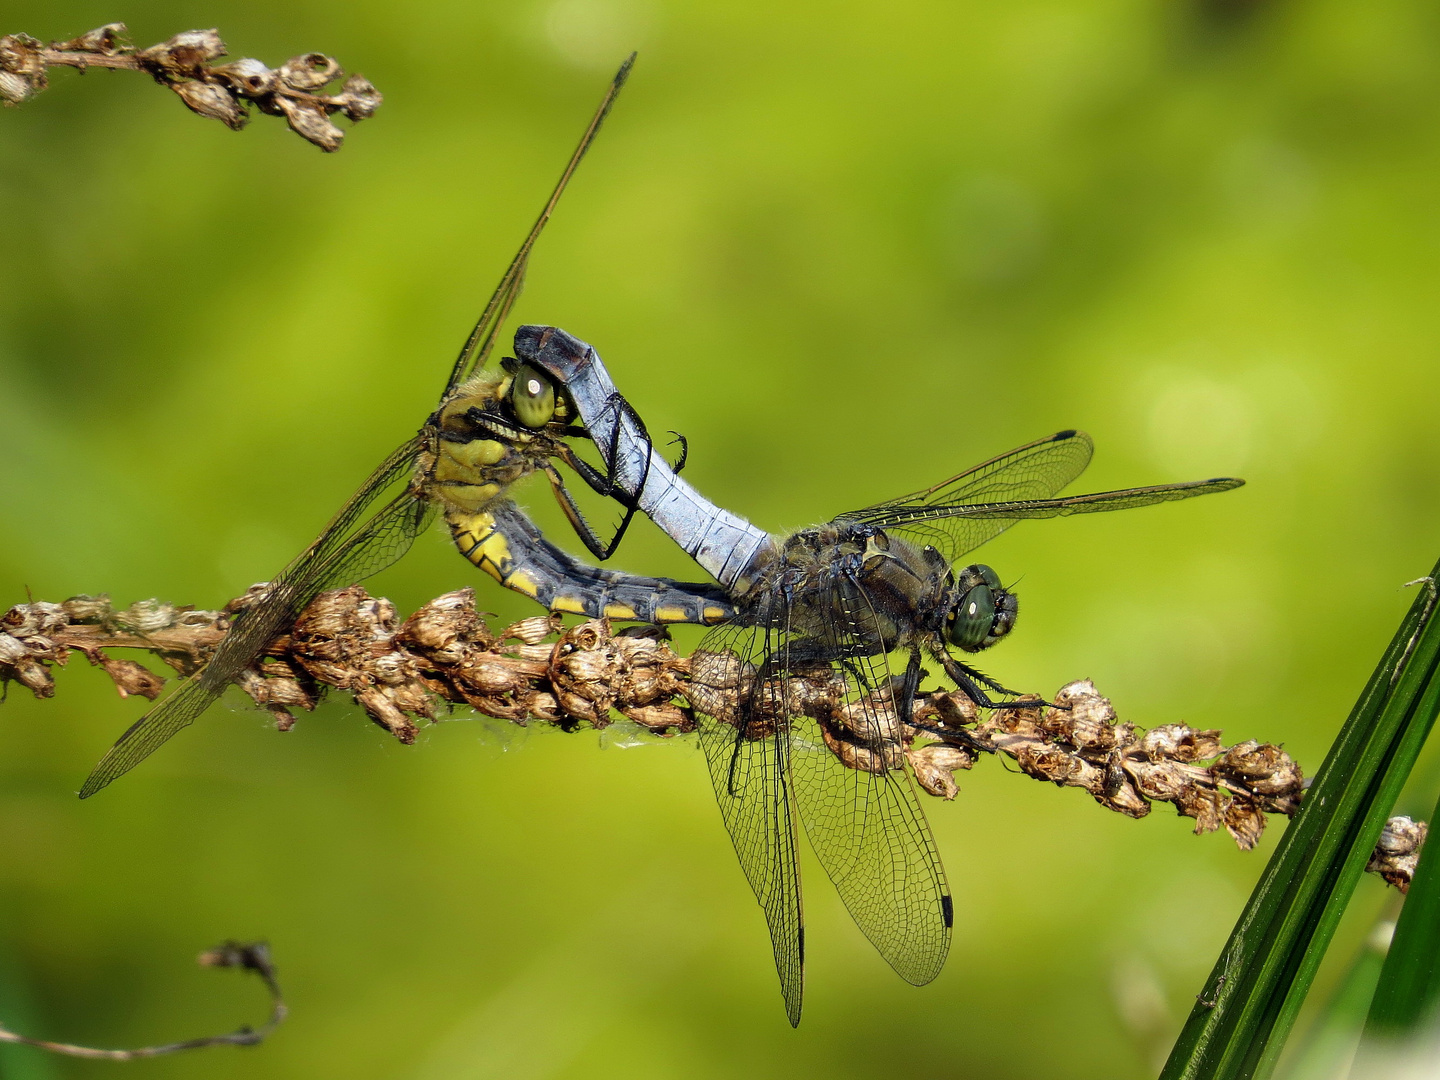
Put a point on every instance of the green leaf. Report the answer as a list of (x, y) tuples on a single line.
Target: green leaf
[(1331, 1040), (1239, 1024)]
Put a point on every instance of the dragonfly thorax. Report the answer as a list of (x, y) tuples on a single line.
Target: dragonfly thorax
[(851, 584), (481, 444)]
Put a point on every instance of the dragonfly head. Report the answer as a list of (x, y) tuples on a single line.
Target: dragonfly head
[(530, 398), (982, 611)]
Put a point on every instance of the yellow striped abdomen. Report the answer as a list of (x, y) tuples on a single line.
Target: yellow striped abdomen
[(504, 543)]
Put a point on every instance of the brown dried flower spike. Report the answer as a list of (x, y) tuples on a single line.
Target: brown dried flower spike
[(186, 64), (395, 669)]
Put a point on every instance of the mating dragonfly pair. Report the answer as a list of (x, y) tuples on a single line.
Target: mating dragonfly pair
[(813, 616)]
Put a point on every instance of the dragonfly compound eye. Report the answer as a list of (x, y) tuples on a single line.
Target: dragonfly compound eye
[(532, 398), (983, 612)]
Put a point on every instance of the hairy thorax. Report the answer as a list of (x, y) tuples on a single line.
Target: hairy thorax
[(848, 584), (468, 467)]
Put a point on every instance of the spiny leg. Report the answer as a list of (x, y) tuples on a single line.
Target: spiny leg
[(571, 509)]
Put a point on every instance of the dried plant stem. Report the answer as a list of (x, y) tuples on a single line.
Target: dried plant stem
[(187, 65), (539, 670), (253, 956)]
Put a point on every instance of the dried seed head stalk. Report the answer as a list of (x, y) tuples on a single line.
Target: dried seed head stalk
[(537, 669), (1077, 741), (186, 64), (248, 956)]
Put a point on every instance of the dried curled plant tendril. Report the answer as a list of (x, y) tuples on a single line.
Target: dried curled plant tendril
[(187, 65), (539, 670), (248, 956)]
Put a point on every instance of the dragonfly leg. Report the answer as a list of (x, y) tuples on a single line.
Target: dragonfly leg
[(493, 425), (904, 697), (601, 483), (972, 681), (679, 463), (617, 402), (968, 739), (600, 549), (910, 686), (607, 483)]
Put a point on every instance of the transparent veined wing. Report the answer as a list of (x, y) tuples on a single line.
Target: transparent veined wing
[(812, 736), (482, 339), (856, 799), (960, 514), (748, 757), (342, 555)]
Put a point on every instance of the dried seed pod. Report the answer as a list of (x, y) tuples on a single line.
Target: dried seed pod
[(1205, 805), (107, 40), (1398, 852), (1053, 764), (134, 679), (1244, 821), (447, 627), (18, 662), (1266, 769), (86, 608), (309, 72), (946, 710), (15, 89), (22, 68), (145, 616), (184, 56), (1161, 779), (36, 618), (871, 718), (213, 100), (533, 630), (1180, 742), (935, 766), (661, 719), (1121, 796), (359, 99), (248, 77)]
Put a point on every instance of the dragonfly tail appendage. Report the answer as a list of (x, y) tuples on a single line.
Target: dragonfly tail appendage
[(724, 544)]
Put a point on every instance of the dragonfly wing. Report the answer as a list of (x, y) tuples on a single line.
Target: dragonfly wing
[(858, 803), (749, 765), (956, 530), (1036, 470), (342, 555), (482, 339)]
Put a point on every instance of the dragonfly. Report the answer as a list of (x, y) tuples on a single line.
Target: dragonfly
[(493, 427), (802, 714)]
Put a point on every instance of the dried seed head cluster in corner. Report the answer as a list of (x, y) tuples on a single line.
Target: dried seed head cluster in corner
[(581, 676), (187, 65)]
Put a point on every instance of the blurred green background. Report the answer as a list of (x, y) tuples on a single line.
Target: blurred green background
[(847, 250)]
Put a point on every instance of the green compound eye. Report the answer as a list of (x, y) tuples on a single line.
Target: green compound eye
[(532, 398), (984, 610), (973, 619)]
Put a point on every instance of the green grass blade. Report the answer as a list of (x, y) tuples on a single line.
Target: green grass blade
[(1331, 1041), (1410, 980), (1237, 1029)]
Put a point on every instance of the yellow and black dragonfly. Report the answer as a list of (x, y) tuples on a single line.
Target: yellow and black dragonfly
[(492, 427), (802, 718)]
